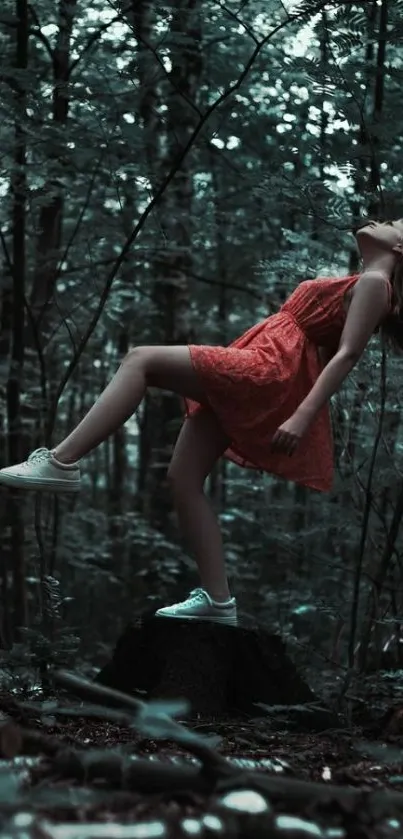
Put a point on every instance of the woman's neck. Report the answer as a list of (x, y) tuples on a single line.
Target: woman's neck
[(382, 262)]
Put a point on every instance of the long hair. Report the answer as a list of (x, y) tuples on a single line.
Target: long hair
[(391, 329)]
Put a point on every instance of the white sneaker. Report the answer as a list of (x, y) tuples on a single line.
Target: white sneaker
[(199, 606), (42, 471)]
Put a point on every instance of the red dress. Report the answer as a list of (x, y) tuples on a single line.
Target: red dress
[(260, 379)]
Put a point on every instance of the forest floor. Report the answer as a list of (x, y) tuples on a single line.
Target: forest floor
[(281, 782)]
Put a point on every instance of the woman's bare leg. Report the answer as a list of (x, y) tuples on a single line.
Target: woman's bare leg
[(169, 368), (200, 443)]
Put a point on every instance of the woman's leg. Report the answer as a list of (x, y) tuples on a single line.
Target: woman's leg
[(169, 368), (200, 443)]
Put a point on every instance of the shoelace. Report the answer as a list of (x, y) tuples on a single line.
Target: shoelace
[(197, 594), (38, 455)]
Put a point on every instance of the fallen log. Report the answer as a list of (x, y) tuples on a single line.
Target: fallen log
[(143, 776)]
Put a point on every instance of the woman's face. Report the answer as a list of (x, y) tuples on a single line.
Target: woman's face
[(384, 236)]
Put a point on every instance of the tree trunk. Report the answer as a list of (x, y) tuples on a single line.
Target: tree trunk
[(6, 332), (118, 471), (173, 263), (49, 239), (374, 184), (51, 213), (14, 384), (218, 478), (360, 179)]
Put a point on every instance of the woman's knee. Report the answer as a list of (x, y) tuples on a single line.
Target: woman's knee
[(142, 358), (168, 368), (178, 482), (136, 355), (200, 443)]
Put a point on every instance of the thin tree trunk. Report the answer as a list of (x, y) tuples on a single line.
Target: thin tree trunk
[(173, 263), (379, 579), (50, 217), (360, 179), (141, 16), (374, 207), (299, 510), (217, 481), (116, 488), (14, 384)]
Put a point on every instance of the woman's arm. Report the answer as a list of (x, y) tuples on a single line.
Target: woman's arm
[(369, 306), (326, 354), (327, 383)]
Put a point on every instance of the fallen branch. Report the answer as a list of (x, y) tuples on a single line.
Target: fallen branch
[(213, 764), (144, 776)]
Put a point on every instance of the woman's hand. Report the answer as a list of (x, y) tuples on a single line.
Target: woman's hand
[(289, 434)]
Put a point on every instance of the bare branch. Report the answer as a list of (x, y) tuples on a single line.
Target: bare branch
[(241, 22), (38, 31), (91, 41), (211, 760)]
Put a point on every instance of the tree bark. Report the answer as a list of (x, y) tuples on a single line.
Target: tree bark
[(14, 384), (173, 262), (116, 487), (360, 178), (51, 213), (374, 208)]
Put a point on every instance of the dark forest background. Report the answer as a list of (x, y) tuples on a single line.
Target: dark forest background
[(169, 173)]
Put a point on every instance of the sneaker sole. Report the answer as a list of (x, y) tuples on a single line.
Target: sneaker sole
[(37, 484), (228, 621)]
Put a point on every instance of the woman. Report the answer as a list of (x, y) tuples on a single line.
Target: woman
[(262, 402)]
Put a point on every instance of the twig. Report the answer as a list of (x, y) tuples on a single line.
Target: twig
[(213, 763)]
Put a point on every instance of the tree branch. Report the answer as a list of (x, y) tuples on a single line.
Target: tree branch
[(90, 43), (38, 31)]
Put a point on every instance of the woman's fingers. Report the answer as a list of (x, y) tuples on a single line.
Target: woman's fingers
[(283, 442)]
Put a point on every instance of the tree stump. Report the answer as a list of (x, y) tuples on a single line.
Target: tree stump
[(221, 670)]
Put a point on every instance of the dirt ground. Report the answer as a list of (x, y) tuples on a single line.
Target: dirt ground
[(281, 782)]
